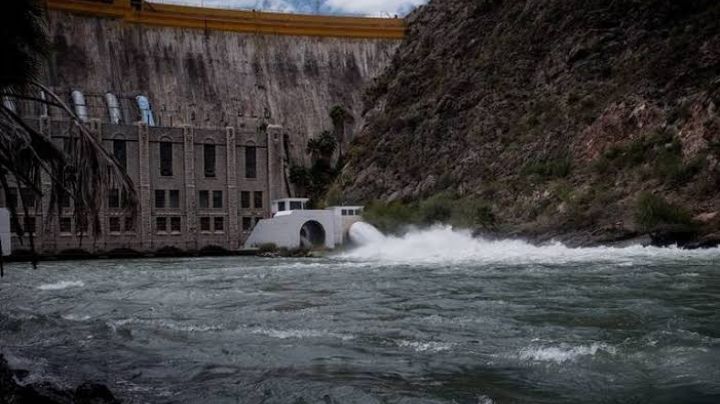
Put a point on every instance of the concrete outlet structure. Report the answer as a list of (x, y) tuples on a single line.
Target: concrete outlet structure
[(297, 227)]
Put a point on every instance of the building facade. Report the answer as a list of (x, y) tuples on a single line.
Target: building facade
[(199, 188), (186, 98)]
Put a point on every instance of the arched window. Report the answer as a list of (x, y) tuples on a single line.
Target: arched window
[(113, 108), (250, 161), (80, 106)]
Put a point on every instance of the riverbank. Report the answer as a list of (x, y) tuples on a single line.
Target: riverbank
[(649, 221), (13, 391)]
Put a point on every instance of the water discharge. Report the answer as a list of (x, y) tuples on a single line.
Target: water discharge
[(443, 244), (362, 233), (434, 316)]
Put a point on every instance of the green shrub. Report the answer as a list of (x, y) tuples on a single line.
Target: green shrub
[(435, 209), (483, 216), (660, 153), (389, 217), (323, 146), (267, 248), (300, 176), (442, 208), (653, 213), (552, 168)]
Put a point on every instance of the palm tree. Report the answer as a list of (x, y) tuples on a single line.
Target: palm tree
[(82, 171)]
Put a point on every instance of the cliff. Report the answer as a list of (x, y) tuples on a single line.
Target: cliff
[(212, 77), (585, 120)]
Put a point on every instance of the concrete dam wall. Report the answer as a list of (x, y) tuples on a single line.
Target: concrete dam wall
[(214, 77)]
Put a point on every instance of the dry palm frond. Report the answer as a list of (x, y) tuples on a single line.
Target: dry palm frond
[(82, 172)]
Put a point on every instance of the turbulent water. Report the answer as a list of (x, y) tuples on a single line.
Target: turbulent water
[(435, 316)]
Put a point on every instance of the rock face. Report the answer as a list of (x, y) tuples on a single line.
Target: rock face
[(559, 113), (209, 78)]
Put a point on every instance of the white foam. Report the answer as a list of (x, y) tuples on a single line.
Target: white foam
[(168, 324), (299, 333), (428, 346), (563, 353), (75, 317), (62, 285), (446, 245)]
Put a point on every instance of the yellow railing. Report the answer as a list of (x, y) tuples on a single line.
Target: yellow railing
[(237, 20)]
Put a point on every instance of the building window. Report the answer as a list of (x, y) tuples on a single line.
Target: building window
[(295, 205), (246, 223), (159, 198), (129, 224), (219, 224), (64, 200), (217, 199), (82, 227), (281, 206), (245, 199), (166, 159), (161, 224), (114, 198), (15, 226), (11, 198), (30, 225), (114, 224), (65, 225), (250, 162), (204, 224), (209, 158), (28, 197), (258, 199), (204, 197), (175, 224), (120, 152), (27, 223), (174, 199)]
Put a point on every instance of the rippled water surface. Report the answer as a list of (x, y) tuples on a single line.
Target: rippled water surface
[(432, 317)]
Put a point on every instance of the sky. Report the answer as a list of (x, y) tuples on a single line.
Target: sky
[(380, 8)]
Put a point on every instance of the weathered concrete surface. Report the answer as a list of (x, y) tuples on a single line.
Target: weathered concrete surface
[(215, 76)]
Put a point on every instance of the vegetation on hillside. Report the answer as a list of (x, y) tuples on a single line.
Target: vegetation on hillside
[(326, 157), (559, 114)]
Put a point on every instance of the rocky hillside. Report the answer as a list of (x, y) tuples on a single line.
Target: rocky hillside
[(585, 120)]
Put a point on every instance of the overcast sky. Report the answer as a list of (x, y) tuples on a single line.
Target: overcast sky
[(387, 8)]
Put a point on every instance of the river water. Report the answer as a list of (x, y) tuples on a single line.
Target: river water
[(435, 316)]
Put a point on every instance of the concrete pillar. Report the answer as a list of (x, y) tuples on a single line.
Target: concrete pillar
[(191, 222), (275, 162), (144, 192), (232, 233)]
